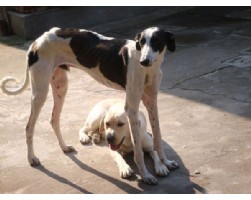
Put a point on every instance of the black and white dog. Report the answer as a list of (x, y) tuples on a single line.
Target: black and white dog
[(132, 66)]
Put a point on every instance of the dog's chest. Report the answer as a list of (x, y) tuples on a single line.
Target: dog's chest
[(123, 150), (101, 78)]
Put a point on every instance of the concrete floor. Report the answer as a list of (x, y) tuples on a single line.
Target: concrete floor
[(204, 108)]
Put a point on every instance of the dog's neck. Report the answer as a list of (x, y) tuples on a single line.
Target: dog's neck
[(150, 72), (126, 147)]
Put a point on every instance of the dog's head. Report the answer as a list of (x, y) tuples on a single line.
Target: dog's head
[(115, 127), (152, 42)]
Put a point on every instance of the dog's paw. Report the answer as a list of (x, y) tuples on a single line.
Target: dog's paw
[(83, 138), (171, 164), (150, 179), (96, 138), (161, 169), (126, 171), (34, 161), (68, 149)]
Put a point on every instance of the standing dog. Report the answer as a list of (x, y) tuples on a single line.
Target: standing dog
[(133, 66), (109, 118)]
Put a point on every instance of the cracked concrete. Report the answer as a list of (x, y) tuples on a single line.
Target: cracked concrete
[(222, 82), (204, 109)]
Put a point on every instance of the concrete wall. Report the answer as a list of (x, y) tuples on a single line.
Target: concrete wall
[(32, 25)]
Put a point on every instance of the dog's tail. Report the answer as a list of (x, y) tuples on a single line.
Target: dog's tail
[(18, 90)]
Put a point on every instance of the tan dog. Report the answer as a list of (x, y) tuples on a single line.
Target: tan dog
[(108, 118)]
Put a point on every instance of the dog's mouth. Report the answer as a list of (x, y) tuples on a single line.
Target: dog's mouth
[(115, 147)]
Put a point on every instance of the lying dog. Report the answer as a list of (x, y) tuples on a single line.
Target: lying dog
[(132, 66), (109, 118)]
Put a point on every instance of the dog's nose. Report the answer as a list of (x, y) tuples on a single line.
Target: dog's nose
[(110, 138), (145, 63)]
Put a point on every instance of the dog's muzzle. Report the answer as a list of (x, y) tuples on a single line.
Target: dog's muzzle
[(115, 147), (110, 138)]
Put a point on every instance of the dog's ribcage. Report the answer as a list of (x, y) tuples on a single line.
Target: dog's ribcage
[(105, 59)]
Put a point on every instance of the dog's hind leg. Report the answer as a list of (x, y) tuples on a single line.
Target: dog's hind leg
[(59, 85), (93, 127), (40, 87), (84, 138)]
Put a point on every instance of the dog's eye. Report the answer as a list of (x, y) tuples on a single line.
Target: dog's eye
[(120, 124), (107, 124), (142, 41)]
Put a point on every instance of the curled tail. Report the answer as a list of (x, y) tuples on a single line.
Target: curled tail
[(18, 90)]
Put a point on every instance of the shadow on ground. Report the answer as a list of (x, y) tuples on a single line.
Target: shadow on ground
[(177, 182)]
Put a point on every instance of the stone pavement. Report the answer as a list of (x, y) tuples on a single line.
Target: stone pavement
[(204, 108)]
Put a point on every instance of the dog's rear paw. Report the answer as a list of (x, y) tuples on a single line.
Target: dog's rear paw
[(84, 139), (34, 161), (96, 138), (171, 164), (126, 171), (161, 169), (69, 149), (150, 179)]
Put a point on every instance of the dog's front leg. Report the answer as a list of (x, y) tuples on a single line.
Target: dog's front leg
[(133, 97), (124, 169), (149, 99)]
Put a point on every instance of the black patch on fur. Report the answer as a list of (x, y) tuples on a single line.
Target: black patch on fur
[(92, 51), (137, 37), (161, 38), (32, 54), (32, 57), (170, 41), (142, 41), (138, 47), (158, 41)]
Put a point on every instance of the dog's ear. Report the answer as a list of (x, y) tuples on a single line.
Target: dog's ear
[(102, 126), (170, 41), (137, 41), (125, 56)]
